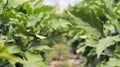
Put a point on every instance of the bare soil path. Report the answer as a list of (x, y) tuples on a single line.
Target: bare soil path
[(63, 57)]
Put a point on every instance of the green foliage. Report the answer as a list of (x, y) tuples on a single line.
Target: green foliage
[(106, 42), (24, 27), (15, 3), (28, 29), (99, 22), (113, 62)]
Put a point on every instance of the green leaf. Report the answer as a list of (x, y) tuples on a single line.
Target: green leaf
[(38, 3), (8, 14), (2, 42), (0, 2), (113, 62), (104, 43), (59, 23), (28, 7), (40, 48), (23, 30), (33, 60), (85, 18), (13, 49), (15, 3), (89, 18), (5, 54), (42, 9), (118, 8)]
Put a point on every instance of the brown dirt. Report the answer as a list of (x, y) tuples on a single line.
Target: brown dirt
[(64, 58), (66, 63)]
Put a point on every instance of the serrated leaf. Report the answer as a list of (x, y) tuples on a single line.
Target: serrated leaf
[(105, 42), (90, 23), (33, 60)]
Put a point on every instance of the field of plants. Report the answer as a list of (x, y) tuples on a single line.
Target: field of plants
[(33, 34)]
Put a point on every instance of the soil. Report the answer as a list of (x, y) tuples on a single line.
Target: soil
[(66, 63), (63, 57)]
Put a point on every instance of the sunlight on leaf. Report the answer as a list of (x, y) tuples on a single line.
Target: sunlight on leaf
[(2, 42), (41, 37), (4, 54)]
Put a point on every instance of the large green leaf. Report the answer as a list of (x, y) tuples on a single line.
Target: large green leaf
[(9, 14), (5, 54), (91, 34), (33, 60), (113, 62), (106, 42), (88, 16), (87, 20)]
